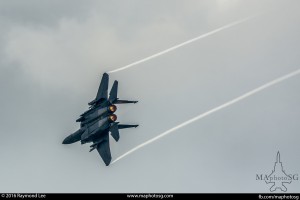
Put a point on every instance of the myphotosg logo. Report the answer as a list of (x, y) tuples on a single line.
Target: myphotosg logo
[(278, 177)]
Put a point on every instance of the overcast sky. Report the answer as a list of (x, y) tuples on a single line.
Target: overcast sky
[(53, 54)]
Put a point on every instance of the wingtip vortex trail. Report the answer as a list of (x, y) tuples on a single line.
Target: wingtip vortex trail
[(185, 43), (227, 104)]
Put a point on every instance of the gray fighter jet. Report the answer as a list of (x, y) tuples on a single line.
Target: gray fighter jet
[(99, 120)]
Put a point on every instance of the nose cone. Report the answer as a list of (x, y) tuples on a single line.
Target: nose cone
[(75, 137), (67, 140)]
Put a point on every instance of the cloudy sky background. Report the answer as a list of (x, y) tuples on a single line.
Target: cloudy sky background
[(53, 54)]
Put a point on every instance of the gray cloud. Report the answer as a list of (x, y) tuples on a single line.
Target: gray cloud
[(45, 13), (53, 53)]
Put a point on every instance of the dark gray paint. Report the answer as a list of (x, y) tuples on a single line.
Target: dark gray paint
[(50, 68), (99, 120)]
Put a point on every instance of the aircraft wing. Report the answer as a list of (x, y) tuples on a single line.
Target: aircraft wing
[(104, 150)]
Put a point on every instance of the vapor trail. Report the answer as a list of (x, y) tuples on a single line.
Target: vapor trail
[(185, 43), (229, 103)]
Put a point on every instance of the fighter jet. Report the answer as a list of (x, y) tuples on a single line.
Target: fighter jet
[(99, 120)]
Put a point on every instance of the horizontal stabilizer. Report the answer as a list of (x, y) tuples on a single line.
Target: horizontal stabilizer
[(122, 126), (115, 131), (124, 101)]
